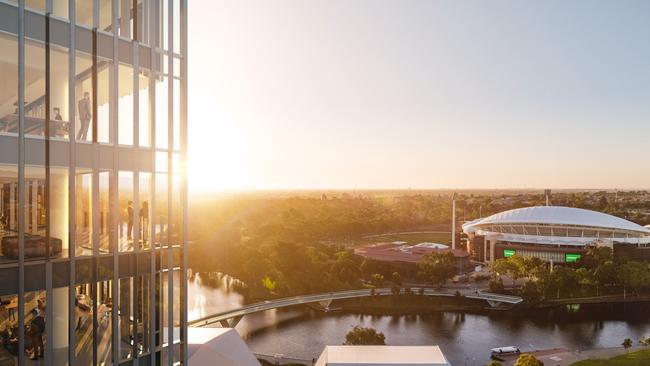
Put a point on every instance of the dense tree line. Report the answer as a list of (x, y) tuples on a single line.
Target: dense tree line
[(437, 268), (301, 218), (284, 245), (598, 273)]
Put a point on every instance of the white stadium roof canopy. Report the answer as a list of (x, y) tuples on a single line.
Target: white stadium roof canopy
[(557, 216)]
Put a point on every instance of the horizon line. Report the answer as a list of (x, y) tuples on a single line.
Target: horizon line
[(259, 190)]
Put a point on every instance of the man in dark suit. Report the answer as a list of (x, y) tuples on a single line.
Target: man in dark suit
[(57, 114), (84, 116)]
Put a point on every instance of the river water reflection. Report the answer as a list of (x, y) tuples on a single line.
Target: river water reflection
[(465, 338)]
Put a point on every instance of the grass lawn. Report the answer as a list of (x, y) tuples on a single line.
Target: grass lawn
[(415, 238), (629, 359)]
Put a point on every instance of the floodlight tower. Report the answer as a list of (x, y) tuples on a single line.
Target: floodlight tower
[(453, 220)]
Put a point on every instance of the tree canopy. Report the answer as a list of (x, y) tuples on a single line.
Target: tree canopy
[(586, 278), (627, 343), (527, 359), (364, 336), (437, 267)]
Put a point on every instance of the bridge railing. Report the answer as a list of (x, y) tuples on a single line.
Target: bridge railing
[(339, 295)]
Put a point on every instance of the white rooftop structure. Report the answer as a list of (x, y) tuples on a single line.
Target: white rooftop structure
[(562, 225), (557, 215), (431, 245), (218, 346), (382, 356)]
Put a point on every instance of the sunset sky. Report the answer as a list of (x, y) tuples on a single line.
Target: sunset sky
[(419, 94)]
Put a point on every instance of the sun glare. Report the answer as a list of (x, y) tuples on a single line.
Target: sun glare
[(218, 159)]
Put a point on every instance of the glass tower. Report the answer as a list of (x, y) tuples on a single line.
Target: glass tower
[(93, 191)]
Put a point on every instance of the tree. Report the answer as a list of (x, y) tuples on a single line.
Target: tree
[(496, 285), (604, 274), (602, 203), (565, 280), (395, 290), (377, 280), (526, 266), (437, 267), (633, 275), (530, 292), (627, 343), (506, 266), (365, 266), (596, 256), (269, 284), (364, 336), (396, 278), (644, 341), (494, 363), (586, 277), (527, 359)]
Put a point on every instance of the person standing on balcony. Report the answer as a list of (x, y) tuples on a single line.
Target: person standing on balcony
[(57, 114), (144, 220), (84, 116), (129, 229), (37, 327)]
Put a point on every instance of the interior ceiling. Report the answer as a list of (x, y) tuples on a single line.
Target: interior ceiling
[(34, 70), (9, 173), (35, 67)]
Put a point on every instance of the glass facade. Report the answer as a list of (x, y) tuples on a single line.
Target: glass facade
[(93, 197)]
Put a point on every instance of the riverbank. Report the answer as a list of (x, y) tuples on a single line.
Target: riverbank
[(608, 356), (409, 305), (414, 304), (590, 357), (617, 356), (607, 299)]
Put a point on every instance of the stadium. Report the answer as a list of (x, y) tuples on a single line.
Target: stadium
[(554, 234)]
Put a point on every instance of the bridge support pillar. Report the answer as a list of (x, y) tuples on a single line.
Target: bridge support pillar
[(494, 304), (325, 303), (234, 321), (230, 323)]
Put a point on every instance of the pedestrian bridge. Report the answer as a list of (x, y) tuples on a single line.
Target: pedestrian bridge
[(230, 318)]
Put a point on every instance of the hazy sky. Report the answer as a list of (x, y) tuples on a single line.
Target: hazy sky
[(421, 94)]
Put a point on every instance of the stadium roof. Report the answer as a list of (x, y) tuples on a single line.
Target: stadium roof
[(557, 215)]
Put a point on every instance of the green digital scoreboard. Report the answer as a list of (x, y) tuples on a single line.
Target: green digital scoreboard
[(571, 257), (509, 252)]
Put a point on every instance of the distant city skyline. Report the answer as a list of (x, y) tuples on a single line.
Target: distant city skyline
[(419, 94)]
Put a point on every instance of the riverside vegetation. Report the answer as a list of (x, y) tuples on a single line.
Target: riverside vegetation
[(288, 244)]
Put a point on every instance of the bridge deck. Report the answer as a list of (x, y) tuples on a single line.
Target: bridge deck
[(306, 299)]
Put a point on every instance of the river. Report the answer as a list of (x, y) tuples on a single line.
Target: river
[(465, 338)]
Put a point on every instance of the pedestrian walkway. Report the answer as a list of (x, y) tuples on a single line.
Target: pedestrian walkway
[(564, 357)]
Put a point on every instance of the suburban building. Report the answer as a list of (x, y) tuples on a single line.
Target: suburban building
[(405, 257), (93, 195)]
